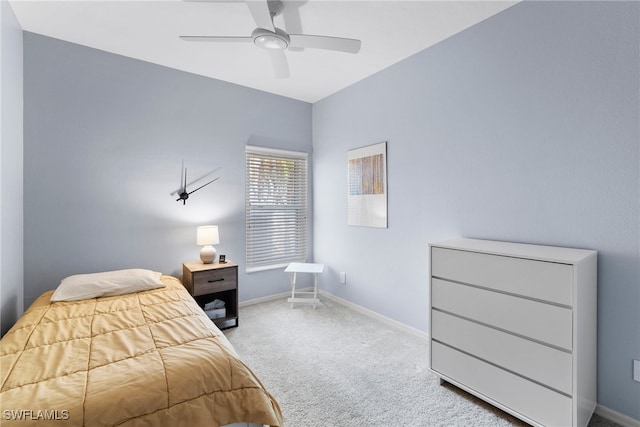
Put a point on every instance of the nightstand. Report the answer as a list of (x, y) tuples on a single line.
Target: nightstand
[(208, 282)]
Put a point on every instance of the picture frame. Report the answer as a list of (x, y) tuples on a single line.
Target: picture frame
[(367, 186)]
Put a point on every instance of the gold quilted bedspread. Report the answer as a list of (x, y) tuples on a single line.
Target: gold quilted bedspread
[(151, 358)]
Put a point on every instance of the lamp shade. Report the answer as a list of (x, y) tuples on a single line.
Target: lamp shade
[(208, 235)]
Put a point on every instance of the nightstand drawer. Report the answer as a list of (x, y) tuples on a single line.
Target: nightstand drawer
[(206, 282)]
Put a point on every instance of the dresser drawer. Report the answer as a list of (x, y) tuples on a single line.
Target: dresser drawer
[(548, 323), (532, 360), (209, 281), (548, 281), (534, 401)]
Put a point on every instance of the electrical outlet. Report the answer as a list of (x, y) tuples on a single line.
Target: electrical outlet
[(343, 278), (636, 370)]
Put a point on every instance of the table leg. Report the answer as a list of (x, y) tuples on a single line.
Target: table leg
[(315, 289), (293, 287)]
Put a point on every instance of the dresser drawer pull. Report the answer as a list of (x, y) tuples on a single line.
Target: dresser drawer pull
[(216, 280)]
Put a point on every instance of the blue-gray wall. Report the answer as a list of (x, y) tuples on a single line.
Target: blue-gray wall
[(522, 128), (11, 154), (104, 141)]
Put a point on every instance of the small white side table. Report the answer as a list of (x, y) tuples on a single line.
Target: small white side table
[(304, 267)]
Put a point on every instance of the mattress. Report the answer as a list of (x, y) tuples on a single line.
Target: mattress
[(149, 358)]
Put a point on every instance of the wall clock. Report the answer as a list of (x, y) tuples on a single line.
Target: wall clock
[(182, 192)]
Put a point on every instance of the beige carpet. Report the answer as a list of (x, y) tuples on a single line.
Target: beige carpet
[(333, 366)]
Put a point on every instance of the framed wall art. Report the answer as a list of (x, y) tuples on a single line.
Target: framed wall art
[(367, 186)]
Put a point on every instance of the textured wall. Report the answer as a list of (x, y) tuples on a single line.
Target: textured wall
[(522, 128)]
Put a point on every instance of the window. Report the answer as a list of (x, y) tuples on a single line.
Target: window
[(276, 208)]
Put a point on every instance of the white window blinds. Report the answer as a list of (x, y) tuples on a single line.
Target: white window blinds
[(276, 208)]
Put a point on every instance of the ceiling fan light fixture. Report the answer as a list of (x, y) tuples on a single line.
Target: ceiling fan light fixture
[(269, 40), (276, 41)]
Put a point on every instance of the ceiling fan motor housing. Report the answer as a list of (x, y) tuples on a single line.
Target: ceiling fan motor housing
[(275, 40), (270, 40)]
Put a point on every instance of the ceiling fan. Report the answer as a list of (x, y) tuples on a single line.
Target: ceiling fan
[(275, 40)]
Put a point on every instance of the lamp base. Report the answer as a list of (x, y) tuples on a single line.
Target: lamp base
[(208, 254)]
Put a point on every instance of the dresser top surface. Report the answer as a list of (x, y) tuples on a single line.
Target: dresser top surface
[(522, 250)]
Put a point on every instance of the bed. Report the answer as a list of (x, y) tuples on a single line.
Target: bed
[(148, 358)]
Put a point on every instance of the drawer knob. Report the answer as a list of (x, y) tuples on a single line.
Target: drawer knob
[(216, 280)]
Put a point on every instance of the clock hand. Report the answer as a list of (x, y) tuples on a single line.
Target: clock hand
[(184, 188), (183, 195), (184, 184), (193, 191)]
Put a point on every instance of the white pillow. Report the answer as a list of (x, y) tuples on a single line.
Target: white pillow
[(109, 283)]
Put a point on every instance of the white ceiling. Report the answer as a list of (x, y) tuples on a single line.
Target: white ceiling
[(148, 30)]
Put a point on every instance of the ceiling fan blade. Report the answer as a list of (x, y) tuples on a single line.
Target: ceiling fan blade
[(280, 64), (261, 14), (325, 42), (291, 18), (216, 39)]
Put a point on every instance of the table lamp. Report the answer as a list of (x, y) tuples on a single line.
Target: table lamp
[(208, 236)]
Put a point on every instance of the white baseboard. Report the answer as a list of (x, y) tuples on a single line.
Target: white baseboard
[(616, 417), (263, 299), (271, 297), (417, 332)]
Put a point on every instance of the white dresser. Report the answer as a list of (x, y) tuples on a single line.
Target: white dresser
[(515, 325)]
